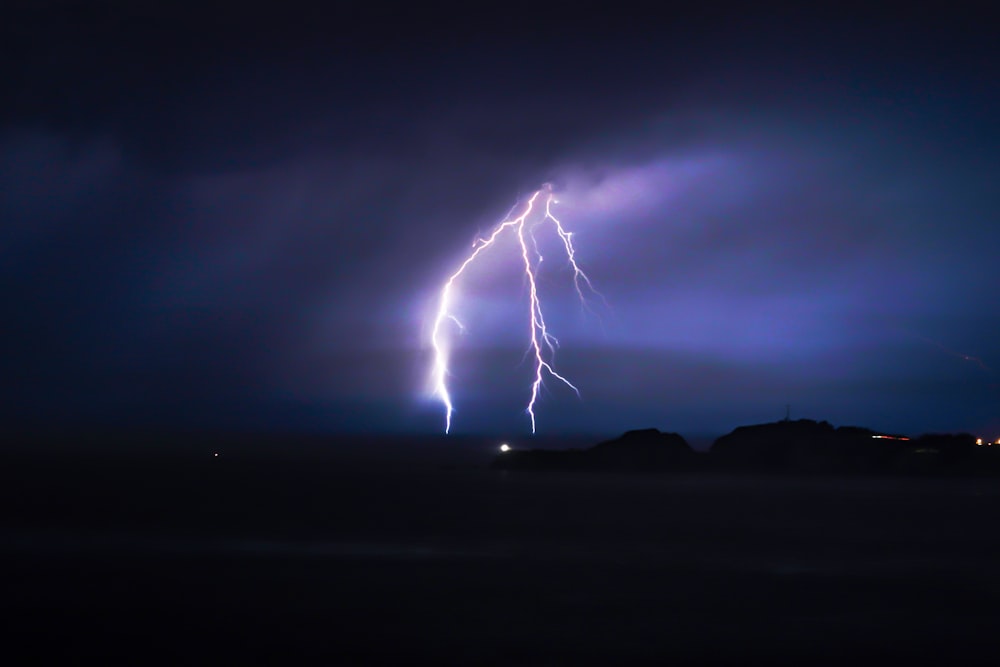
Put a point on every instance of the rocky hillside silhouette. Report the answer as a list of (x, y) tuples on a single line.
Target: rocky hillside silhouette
[(635, 451), (807, 446), (644, 449), (802, 446)]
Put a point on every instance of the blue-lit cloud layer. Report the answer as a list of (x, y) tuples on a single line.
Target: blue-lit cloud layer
[(260, 241)]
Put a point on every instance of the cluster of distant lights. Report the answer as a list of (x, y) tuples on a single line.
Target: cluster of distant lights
[(979, 441), (504, 447)]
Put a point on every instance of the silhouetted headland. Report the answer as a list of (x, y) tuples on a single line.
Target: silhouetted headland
[(801, 446), (640, 450)]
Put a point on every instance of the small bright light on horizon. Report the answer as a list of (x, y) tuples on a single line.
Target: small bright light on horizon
[(216, 454), (505, 447), (979, 441)]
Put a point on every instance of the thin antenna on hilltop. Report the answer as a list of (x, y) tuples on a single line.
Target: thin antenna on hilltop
[(788, 412)]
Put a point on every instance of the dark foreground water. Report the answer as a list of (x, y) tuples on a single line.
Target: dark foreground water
[(303, 560)]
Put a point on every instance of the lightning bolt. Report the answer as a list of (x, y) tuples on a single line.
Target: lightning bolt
[(541, 343), (955, 353), (976, 361)]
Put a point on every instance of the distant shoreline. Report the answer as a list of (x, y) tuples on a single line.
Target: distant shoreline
[(786, 447)]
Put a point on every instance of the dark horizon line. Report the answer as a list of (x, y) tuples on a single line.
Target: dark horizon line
[(85, 429)]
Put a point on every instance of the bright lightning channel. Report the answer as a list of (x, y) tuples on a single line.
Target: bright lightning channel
[(542, 344)]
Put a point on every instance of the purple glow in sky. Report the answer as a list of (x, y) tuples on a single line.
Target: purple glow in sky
[(789, 208)]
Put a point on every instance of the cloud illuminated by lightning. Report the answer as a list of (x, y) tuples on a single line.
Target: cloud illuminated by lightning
[(542, 344)]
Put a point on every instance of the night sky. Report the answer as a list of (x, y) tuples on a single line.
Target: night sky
[(220, 216)]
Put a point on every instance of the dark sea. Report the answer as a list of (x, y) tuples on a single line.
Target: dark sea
[(334, 552)]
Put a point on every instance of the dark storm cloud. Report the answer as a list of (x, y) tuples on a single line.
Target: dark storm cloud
[(213, 207)]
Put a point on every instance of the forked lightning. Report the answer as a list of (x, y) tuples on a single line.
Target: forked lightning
[(542, 344)]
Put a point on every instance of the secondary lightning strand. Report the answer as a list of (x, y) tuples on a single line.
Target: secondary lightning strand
[(540, 339), (567, 239)]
